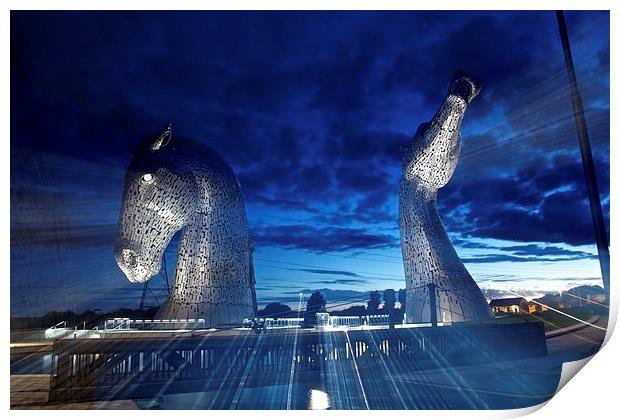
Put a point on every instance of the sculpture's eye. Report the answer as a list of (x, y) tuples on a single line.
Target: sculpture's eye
[(147, 178)]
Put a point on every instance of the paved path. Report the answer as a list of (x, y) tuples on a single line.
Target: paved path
[(579, 344)]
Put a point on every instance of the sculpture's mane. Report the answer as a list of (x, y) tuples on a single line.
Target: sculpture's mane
[(181, 152)]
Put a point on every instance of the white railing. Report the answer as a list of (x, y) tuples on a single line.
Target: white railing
[(358, 321), (323, 320), (346, 321), (283, 322), (127, 324)]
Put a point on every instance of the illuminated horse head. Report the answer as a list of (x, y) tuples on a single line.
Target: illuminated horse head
[(433, 155), (160, 198), (174, 185)]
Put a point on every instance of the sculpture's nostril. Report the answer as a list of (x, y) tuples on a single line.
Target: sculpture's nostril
[(463, 88), (129, 258), (131, 261), (465, 85)]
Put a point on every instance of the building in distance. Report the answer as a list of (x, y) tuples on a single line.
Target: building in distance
[(515, 305)]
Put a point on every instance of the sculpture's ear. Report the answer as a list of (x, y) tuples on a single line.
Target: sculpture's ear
[(163, 139)]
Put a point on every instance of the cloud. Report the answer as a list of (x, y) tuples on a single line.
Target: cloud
[(95, 236), (520, 253), (341, 281), (466, 243), (329, 272), (335, 294), (538, 250), (560, 219), (498, 258), (323, 239), (541, 202)]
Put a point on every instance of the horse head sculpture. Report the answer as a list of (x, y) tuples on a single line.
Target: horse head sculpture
[(438, 284), (159, 199), (434, 153), (174, 185)]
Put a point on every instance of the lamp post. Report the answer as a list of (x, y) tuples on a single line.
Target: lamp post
[(301, 295), (586, 156)]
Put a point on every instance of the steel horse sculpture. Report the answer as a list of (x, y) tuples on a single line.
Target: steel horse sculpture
[(434, 274), (178, 184)]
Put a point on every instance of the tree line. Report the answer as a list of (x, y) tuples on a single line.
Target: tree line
[(316, 303)]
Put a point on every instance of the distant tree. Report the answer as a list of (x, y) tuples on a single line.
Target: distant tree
[(374, 302), (389, 301), (316, 303), (275, 310), (402, 298)]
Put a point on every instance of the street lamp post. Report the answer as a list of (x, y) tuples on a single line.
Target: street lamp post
[(586, 156)]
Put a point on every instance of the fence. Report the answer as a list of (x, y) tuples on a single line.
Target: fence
[(133, 368), (122, 324)]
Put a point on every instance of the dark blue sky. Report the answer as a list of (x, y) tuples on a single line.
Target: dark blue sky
[(310, 109)]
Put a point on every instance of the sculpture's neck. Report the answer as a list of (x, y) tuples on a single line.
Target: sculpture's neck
[(422, 226), (218, 226), (421, 205), (450, 114), (426, 197), (191, 236)]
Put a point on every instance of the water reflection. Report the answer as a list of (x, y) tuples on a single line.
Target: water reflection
[(318, 400)]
